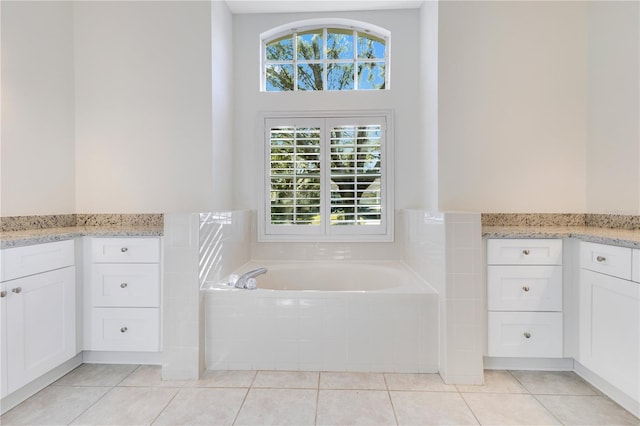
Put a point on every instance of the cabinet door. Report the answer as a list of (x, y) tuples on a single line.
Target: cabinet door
[(3, 342), (610, 329), (40, 324)]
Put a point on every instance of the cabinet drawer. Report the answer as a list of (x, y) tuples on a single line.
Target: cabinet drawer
[(23, 261), (126, 329), (125, 250), (525, 334), (125, 285), (635, 266), (524, 288), (610, 260), (524, 252)]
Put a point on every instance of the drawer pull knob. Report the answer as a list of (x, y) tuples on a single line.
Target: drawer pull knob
[(123, 330), (17, 290), (525, 288), (527, 335), (123, 285), (526, 252), (3, 293), (124, 249), (601, 259)]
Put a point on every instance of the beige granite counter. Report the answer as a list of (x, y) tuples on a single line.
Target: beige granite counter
[(617, 237), (47, 235), (16, 231)]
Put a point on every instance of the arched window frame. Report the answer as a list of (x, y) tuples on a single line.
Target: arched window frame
[(323, 24)]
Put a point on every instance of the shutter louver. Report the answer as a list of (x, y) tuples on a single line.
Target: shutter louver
[(356, 191), (295, 175)]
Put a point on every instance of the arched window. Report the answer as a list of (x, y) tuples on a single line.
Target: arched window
[(339, 54)]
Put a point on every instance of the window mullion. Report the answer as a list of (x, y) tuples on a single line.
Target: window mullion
[(324, 58), (355, 60), (295, 61)]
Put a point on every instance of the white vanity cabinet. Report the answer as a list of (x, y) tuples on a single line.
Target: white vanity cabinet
[(610, 315), (37, 311), (524, 298), (122, 299)]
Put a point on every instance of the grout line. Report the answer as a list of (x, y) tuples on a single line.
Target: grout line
[(125, 377), (546, 409), (166, 405), (469, 407), (393, 408), (244, 400), (246, 394), (94, 403), (519, 382)]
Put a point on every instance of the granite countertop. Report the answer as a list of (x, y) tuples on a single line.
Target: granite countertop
[(48, 235), (617, 237)]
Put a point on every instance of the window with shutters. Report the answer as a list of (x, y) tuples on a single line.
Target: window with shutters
[(328, 178), (314, 55)]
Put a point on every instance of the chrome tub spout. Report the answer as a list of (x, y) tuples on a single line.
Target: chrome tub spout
[(242, 281)]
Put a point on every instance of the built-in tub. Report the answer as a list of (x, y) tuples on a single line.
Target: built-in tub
[(324, 316)]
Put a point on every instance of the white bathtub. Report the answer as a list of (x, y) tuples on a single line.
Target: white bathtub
[(324, 316)]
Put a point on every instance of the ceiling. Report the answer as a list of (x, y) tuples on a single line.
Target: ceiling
[(290, 6)]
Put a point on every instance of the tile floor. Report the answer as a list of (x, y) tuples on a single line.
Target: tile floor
[(130, 394)]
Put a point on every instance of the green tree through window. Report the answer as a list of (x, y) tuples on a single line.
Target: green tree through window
[(326, 58)]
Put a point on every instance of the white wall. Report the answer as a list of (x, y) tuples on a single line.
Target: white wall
[(402, 98), (429, 102), (222, 105), (512, 106), (613, 142), (143, 106), (37, 140)]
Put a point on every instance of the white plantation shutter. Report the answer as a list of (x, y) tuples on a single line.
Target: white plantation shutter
[(294, 175), (327, 179), (355, 174)]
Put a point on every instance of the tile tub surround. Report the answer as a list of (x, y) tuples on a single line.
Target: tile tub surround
[(131, 394), (19, 231)]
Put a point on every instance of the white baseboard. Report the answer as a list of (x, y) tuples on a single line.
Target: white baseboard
[(542, 364), (35, 386), (606, 388), (115, 357)]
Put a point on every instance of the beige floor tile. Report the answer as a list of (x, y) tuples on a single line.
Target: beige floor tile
[(128, 406), (54, 405), (371, 381), (151, 375), (417, 382), (504, 409), (97, 375), (495, 381), (431, 408), (587, 410), (225, 379), (286, 379), (554, 383), (203, 406), (278, 407), (354, 407)]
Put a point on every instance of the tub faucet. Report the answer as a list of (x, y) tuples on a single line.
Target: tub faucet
[(242, 281)]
